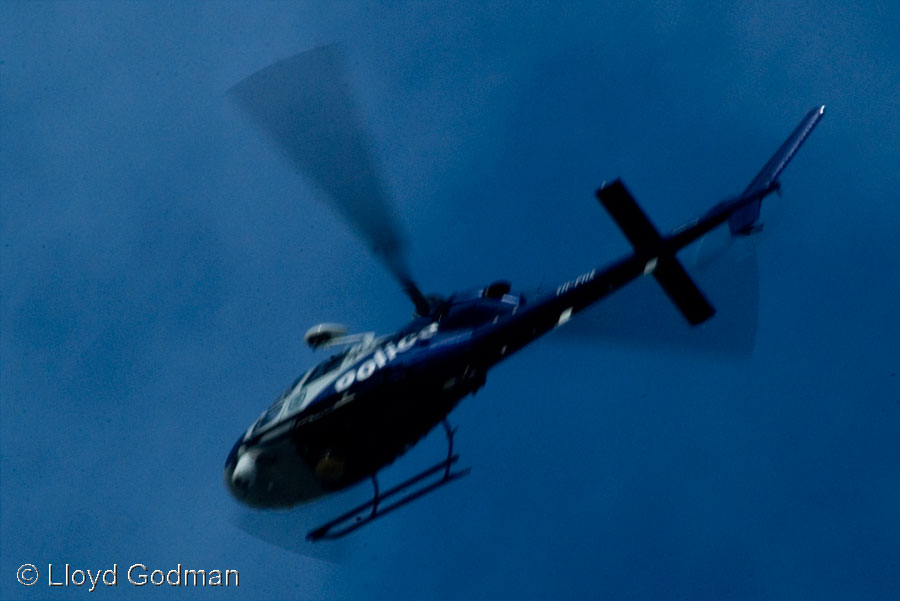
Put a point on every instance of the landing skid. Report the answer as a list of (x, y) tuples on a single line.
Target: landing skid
[(377, 507)]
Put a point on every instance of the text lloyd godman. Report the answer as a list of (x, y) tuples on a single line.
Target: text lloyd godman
[(140, 575)]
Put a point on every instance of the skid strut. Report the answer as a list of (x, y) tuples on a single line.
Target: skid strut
[(383, 503)]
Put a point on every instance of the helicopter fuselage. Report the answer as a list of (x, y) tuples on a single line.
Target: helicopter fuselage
[(384, 395)]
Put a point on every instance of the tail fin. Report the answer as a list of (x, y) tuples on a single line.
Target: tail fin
[(743, 221), (661, 262)]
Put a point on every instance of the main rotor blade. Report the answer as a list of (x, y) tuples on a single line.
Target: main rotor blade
[(304, 104)]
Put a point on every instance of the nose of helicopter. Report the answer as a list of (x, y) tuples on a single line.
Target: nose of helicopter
[(269, 476), (239, 471), (246, 477), (244, 473)]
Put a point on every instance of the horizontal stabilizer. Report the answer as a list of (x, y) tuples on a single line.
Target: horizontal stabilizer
[(647, 242), (682, 290), (620, 204)]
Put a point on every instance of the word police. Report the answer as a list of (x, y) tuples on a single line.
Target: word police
[(382, 356), (140, 575)]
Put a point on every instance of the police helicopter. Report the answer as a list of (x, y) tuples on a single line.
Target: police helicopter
[(361, 408)]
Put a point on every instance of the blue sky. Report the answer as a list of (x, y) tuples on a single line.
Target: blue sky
[(160, 265)]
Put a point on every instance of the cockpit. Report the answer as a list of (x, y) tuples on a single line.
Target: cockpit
[(307, 387), (459, 312)]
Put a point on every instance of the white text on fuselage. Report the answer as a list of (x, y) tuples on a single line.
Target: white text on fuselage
[(382, 356), (583, 278)]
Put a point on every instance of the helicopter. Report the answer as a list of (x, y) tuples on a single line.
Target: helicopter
[(364, 406)]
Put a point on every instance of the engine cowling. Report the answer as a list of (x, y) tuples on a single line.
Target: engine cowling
[(496, 290)]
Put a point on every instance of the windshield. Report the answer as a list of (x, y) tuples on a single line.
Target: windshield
[(327, 365), (293, 399)]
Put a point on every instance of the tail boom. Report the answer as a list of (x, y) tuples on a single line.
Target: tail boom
[(653, 255)]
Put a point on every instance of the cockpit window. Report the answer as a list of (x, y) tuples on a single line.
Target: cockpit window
[(295, 400), (288, 396), (326, 366), (272, 412), (292, 400), (290, 388)]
